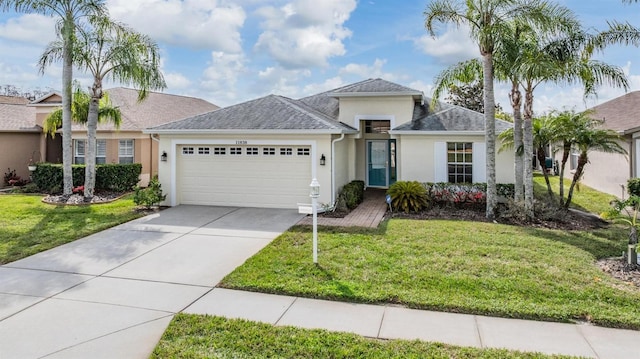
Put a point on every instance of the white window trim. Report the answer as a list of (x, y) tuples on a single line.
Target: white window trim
[(133, 150)]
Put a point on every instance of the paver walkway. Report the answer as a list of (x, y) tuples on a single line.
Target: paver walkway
[(368, 214), (392, 322)]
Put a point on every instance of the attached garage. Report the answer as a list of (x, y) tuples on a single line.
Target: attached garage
[(272, 176)]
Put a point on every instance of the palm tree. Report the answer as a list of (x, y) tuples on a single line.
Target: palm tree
[(80, 112), (590, 137), (69, 14), (110, 50)]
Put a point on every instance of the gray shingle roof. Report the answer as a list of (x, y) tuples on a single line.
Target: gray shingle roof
[(621, 113), (157, 109), (259, 114), (446, 117), (374, 86)]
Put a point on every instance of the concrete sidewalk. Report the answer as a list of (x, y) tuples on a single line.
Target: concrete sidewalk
[(391, 322)]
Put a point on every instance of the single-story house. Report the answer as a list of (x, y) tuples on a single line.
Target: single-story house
[(265, 152), (609, 172), (22, 139)]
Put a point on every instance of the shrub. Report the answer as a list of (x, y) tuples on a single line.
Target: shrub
[(150, 196), (113, 177), (408, 196), (12, 179), (507, 190), (633, 186), (351, 194)]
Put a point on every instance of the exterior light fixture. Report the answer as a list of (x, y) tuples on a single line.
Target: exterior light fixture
[(315, 192), (323, 160), (163, 157)]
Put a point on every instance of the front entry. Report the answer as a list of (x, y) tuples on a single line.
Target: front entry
[(381, 163)]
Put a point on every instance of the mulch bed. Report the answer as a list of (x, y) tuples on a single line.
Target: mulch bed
[(618, 268), (78, 199)]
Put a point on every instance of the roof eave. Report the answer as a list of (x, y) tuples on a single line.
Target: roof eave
[(436, 133), (248, 132), (415, 94)]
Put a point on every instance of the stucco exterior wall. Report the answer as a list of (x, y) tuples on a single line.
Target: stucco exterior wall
[(19, 149), (341, 158), (322, 144), (398, 109), (417, 162)]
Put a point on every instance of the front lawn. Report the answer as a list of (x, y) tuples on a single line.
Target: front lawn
[(198, 336), (28, 226), (456, 266), (585, 198)]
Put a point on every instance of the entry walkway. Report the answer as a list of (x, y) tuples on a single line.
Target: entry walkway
[(392, 322), (368, 214)]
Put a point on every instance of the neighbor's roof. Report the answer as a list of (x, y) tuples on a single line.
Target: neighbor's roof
[(446, 117), (372, 87), (266, 113), (157, 109), (15, 115), (621, 114)]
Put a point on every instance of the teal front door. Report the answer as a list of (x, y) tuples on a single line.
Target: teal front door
[(378, 163)]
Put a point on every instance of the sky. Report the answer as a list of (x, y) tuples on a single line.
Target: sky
[(228, 51)]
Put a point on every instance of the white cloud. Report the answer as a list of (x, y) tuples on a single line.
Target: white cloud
[(200, 24), (328, 84), (451, 47), (29, 28), (279, 81), (305, 33), (219, 79), (368, 71), (176, 81)]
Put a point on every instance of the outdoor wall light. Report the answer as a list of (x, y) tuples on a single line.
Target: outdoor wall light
[(163, 157), (323, 160)]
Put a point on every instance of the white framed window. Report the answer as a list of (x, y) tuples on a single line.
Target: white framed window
[(125, 151), (286, 151), (80, 151), (204, 150), (220, 151), (460, 162), (235, 151), (188, 150), (303, 152), (269, 151), (252, 151)]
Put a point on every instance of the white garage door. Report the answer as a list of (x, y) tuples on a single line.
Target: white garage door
[(244, 176)]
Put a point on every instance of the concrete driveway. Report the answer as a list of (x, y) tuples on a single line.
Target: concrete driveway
[(112, 294)]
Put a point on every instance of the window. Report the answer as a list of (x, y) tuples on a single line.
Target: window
[(80, 151), (220, 151), (575, 154), (235, 151), (286, 151), (125, 151), (460, 162), (377, 126), (187, 150), (252, 151), (303, 152), (269, 151), (204, 150)]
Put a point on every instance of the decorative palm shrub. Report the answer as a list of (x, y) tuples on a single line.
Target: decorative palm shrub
[(408, 196), (150, 196)]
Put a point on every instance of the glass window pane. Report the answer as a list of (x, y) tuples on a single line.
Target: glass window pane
[(101, 148)]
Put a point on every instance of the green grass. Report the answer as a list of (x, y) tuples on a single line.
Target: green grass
[(455, 266), (197, 336), (28, 226), (584, 198)]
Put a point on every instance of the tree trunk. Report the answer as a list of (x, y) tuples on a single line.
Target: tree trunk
[(541, 159), (92, 126), (582, 161), (527, 141), (516, 103), (566, 151), (67, 74), (490, 134)]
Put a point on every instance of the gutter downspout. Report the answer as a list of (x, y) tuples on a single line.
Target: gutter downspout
[(333, 169)]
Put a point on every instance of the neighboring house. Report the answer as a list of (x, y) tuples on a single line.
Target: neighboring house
[(22, 139), (264, 152), (608, 172)]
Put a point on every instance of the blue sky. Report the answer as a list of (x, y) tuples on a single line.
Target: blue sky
[(231, 51)]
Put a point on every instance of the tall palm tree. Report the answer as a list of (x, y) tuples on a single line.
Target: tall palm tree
[(489, 21), (69, 13), (80, 112), (110, 50)]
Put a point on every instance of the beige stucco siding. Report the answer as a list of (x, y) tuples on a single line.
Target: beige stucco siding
[(397, 109), (20, 148), (417, 162), (170, 144), (342, 155)]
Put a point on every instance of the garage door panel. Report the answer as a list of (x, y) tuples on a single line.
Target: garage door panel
[(278, 181)]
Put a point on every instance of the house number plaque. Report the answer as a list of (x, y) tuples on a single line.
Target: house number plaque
[(241, 142)]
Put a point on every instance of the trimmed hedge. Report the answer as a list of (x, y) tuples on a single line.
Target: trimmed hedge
[(112, 177), (465, 193), (352, 194)]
